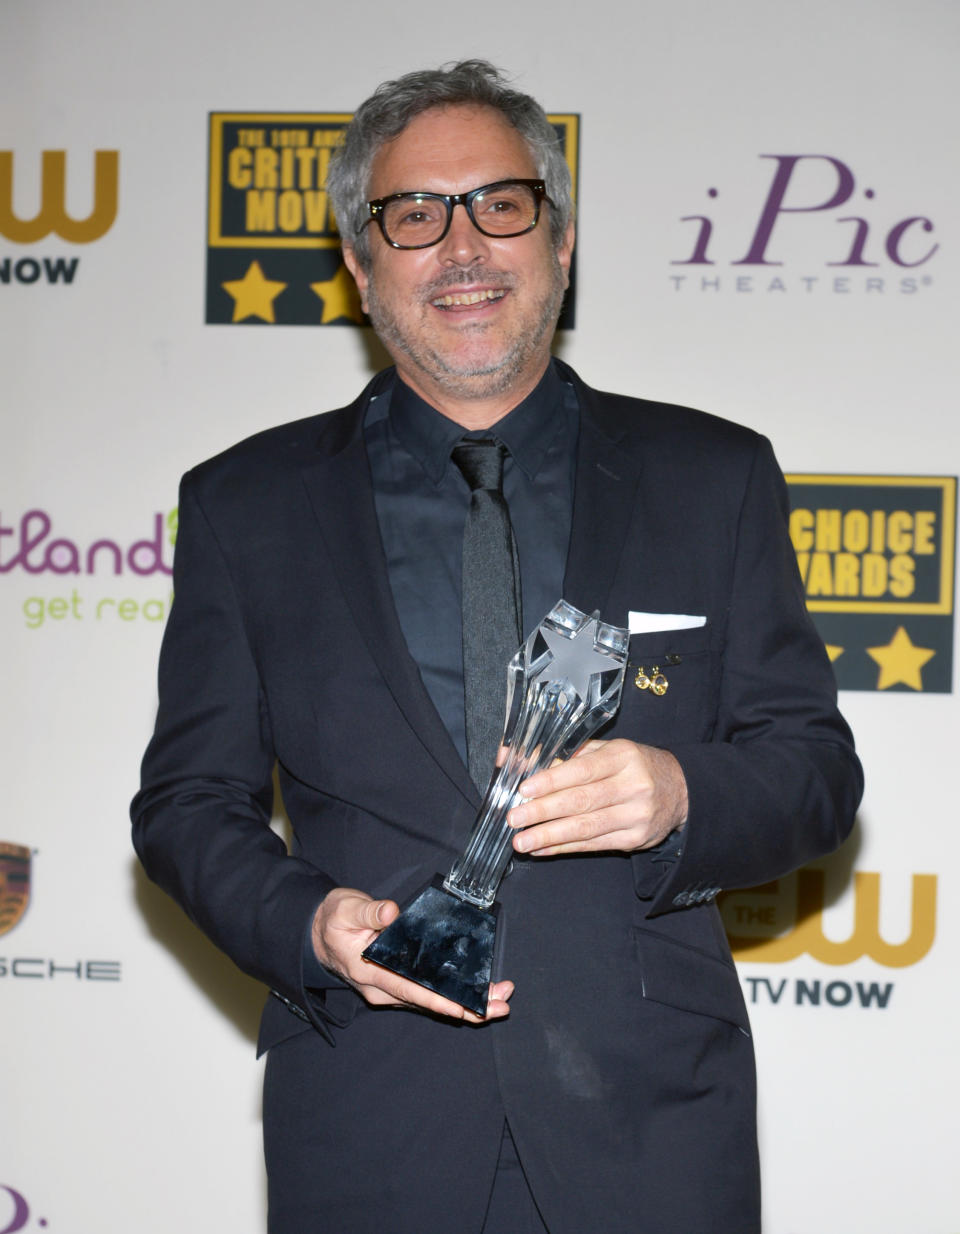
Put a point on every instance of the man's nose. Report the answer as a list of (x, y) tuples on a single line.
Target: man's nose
[(463, 244)]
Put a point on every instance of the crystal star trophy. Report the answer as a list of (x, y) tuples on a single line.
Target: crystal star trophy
[(563, 683)]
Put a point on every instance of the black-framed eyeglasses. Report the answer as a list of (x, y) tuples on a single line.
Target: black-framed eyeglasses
[(417, 220)]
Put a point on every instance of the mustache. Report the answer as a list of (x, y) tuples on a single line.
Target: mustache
[(460, 277)]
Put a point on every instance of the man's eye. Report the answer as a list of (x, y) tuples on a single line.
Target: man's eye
[(500, 205), (415, 213)]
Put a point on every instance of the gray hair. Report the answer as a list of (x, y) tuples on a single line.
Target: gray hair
[(391, 107)]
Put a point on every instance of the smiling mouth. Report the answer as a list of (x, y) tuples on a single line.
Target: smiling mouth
[(465, 299)]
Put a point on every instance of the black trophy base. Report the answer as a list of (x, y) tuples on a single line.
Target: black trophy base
[(443, 943)]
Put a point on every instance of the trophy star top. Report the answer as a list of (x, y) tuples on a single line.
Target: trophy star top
[(576, 659)]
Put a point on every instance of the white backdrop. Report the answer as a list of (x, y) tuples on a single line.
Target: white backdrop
[(130, 1094)]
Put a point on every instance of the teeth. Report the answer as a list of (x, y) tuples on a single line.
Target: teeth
[(468, 297)]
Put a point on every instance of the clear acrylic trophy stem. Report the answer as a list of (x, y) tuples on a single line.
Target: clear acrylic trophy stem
[(563, 684)]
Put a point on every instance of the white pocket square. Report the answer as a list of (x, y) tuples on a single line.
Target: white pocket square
[(655, 623)]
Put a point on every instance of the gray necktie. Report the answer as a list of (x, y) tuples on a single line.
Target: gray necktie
[(490, 602)]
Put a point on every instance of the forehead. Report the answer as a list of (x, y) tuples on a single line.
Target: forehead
[(451, 150)]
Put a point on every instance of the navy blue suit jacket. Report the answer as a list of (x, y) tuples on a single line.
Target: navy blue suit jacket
[(625, 1067)]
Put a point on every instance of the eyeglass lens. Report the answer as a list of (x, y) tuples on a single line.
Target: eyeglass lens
[(417, 219)]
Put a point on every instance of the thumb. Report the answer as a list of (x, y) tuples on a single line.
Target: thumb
[(376, 914)]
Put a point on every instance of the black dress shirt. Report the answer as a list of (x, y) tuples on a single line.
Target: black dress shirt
[(422, 502)]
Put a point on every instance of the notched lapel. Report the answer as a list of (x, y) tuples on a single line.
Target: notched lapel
[(340, 491), (608, 475)]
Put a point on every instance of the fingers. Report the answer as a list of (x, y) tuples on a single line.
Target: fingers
[(389, 989), (613, 795), (591, 834), (498, 1000), (594, 780), (591, 765), (383, 988), (583, 804), (344, 925)]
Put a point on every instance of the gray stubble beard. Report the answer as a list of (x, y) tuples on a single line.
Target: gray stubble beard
[(473, 382)]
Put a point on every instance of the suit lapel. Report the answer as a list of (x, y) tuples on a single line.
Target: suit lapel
[(607, 479), (341, 494), (340, 490)]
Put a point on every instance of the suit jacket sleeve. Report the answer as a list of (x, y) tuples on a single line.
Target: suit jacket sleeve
[(779, 783), (202, 817)]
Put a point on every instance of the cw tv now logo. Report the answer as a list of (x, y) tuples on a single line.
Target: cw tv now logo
[(783, 920), (49, 213), (779, 244)]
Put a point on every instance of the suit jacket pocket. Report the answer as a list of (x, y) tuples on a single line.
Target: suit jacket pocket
[(670, 688), (689, 979)]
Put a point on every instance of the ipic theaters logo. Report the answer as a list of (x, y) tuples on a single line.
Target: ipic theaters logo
[(814, 230), (50, 191), (877, 558), (16, 863), (33, 548), (273, 249), (783, 921)]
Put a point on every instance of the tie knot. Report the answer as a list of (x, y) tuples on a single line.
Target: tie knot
[(481, 462)]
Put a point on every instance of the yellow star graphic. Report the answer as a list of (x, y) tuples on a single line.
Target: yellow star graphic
[(900, 661), (340, 297), (253, 295), (833, 651)]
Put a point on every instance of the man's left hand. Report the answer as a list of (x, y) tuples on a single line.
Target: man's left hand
[(612, 795)]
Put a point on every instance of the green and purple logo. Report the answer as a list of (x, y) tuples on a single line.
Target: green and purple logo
[(33, 548)]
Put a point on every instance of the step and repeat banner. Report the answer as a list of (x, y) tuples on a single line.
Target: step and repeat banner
[(767, 229)]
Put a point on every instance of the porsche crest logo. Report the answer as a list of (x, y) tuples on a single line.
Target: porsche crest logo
[(14, 884)]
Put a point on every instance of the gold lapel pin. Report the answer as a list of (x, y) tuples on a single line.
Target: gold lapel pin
[(653, 681)]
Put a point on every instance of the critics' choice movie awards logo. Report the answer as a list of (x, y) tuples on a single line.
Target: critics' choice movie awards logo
[(273, 249), (815, 229), (876, 555), (52, 191), (783, 921), (33, 548)]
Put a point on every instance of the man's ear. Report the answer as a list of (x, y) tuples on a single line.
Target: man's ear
[(360, 277), (565, 252)]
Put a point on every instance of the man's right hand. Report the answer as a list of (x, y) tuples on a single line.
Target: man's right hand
[(346, 922)]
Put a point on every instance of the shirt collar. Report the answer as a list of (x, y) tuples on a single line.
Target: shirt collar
[(527, 431)]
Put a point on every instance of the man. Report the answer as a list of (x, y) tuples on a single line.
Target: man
[(317, 626)]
